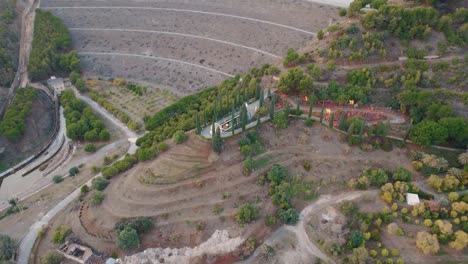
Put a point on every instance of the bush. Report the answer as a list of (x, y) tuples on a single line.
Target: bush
[(13, 124), (99, 183), (73, 171), (246, 213), (402, 174), (127, 238), (270, 220), (60, 234), (179, 137), (162, 146), (57, 179), (356, 238), (98, 198), (90, 148), (309, 122), (52, 257), (7, 248), (306, 165), (288, 216), (84, 189)]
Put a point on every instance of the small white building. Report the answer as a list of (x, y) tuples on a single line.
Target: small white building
[(56, 84), (412, 199)]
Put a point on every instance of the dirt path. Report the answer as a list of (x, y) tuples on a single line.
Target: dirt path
[(305, 245), (27, 30)]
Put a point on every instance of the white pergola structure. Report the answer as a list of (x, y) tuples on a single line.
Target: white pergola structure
[(412, 199)]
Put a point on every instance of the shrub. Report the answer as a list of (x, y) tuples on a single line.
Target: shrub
[(306, 165), (7, 248), (98, 198), (140, 224), (246, 213), (427, 243), (60, 234), (99, 183), (179, 137), (402, 174), (384, 252), (57, 179), (356, 238), (128, 238), (270, 220), (245, 150), (52, 257), (90, 148), (84, 189), (162, 146), (13, 125), (288, 216), (309, 122), (73, 171)]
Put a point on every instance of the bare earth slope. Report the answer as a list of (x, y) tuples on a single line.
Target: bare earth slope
[(186, 45)]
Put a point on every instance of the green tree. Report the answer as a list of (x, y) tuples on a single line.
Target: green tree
[(73, 171), (128, 239), (272, 109), (402, 174), (217, 140), (281, 119), (7, 248), (84, 189), (74, 76), (306, 85), (90, 148), (277, 174), (291, 58), (457, 128), (342, 123), (179, 137), (428, 133), (290, 80), (199, 129), (52, 257), (322, 112), (99, 183), (243, 116), (288, 216), (356, 238), (332, 119), (247, 213), (320, 34), (98, 198), (262, 98)]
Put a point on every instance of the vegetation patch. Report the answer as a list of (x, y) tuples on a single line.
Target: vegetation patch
[(13, 124)]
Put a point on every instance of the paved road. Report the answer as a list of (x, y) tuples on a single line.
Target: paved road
[(27, 242)]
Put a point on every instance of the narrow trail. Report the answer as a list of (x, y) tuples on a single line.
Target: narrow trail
[(304, 242)]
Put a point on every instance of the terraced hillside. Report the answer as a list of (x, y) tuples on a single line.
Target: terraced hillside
[(186, 45)]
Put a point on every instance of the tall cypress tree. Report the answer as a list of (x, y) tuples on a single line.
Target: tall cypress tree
[(269, 93), (311, 107), (332, 119), (213, 131), (243, 116), (205, 121), (298, 107), (262, 98), (272, 109), (258, 120), (342, 122), (217, 141), (199, 129), (321, 113), (232, 121)]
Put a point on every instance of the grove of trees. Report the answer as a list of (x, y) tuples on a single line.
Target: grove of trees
[(82, 123), (51, 48), (13, 124), (9, 39)]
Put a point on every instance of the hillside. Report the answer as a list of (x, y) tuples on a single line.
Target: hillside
[(9, 41)]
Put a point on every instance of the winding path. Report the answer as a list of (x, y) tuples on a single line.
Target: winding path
[(177, 34), (154, 58)]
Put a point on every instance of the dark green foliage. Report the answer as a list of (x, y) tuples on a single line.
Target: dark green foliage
[(82, 123), (428, 133), (7, 248), (320, 34), (73, 171), (247, 213), (332, 119), (198, 125), (457, 128), (288, 216), (128, 238), (146, 154), (243, 116), (9, 39), (97, 198), (356, 238), (281, 119), (57, 179), (272, 109), (99, 183), (51, 48), (342, 125), (322, 113), (13, 124), (291, 58), (290, 80), (74, 77), (120, 166), (52, 257), (402, 174), (179, 137), (376, 176), (277, 174), (81, 86), (137, 89), (84, 189), (217, 140), (90, 148), (141, 224)]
